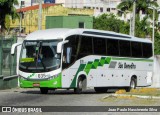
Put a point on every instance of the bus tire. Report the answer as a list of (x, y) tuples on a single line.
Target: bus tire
[(100, 89), (44, 90), (79, 88), (132, 85)]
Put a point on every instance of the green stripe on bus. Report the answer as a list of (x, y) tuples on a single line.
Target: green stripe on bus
[(130, 59), (108, 60), (31, 75), (81, 68), (90, 65), (97, 62), (102, 61)]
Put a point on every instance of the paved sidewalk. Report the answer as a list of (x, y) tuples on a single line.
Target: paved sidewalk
[(129, 95)]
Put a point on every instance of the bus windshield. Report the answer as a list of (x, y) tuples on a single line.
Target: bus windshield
[(39, 56)]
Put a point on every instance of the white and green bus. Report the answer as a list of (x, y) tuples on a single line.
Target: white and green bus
[(82, 58)]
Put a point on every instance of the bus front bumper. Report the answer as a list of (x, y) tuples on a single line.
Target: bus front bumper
[(54, 83)]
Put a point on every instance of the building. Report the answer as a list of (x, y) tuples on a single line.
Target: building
[(78, 21), (30, 16), (26, 3), (99, 6)]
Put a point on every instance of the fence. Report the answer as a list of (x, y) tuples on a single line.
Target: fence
[(7, 63)]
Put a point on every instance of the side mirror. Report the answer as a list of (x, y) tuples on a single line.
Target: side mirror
[(69, 52), (59, 46), (13, 47)]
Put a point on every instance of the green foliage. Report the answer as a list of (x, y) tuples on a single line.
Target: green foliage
[(7, 22), (111, 23), (125, 5), (142, 28), (141, 5), (157, 44), (7, 8)]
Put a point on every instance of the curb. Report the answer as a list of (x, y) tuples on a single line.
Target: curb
[(138, 96)]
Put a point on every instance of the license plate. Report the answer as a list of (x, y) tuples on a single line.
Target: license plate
[(36, 84)]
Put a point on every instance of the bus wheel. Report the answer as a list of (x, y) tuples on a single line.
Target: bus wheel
[(132, 85), (44, 90), (78, 90), (101, 89)]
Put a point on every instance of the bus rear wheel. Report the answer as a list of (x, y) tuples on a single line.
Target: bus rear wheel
[(101, 89), (44, 90), (132, 85)]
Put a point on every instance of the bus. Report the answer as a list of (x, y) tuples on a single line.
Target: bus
[(84, 58)]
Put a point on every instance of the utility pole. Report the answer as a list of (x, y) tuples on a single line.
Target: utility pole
[(134, 16), (153, 29), (20, 21), (130, 23), (40, 15), (154, 9)]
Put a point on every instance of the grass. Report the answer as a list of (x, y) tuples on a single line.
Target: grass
[(129, 101), (141, 91)]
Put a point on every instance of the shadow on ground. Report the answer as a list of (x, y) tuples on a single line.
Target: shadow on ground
[(64, 92)]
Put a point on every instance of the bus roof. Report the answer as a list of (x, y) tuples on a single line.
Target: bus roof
[(62, 33)]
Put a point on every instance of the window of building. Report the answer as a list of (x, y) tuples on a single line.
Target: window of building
[(101, 9), (108, 9), (81, 24), (113, 9)]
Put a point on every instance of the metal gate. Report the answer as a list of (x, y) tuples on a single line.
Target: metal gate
[(7, 63)]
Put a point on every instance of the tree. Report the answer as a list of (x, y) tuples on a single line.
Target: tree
[(7, 22), (7, 8), (142, 28), (111, 23), (125, 5), (141, 5), (156, 43)]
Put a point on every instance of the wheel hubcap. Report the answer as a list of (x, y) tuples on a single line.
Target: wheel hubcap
[(80, 85)]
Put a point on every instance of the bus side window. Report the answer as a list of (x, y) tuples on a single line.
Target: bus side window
[(147, 50), (112, 47), (99, 46), (136, 49)]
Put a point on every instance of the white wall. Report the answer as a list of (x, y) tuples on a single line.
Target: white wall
[(156, 72)]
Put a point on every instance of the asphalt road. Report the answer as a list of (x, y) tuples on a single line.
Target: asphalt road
[(33, 97), (28, 97)]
